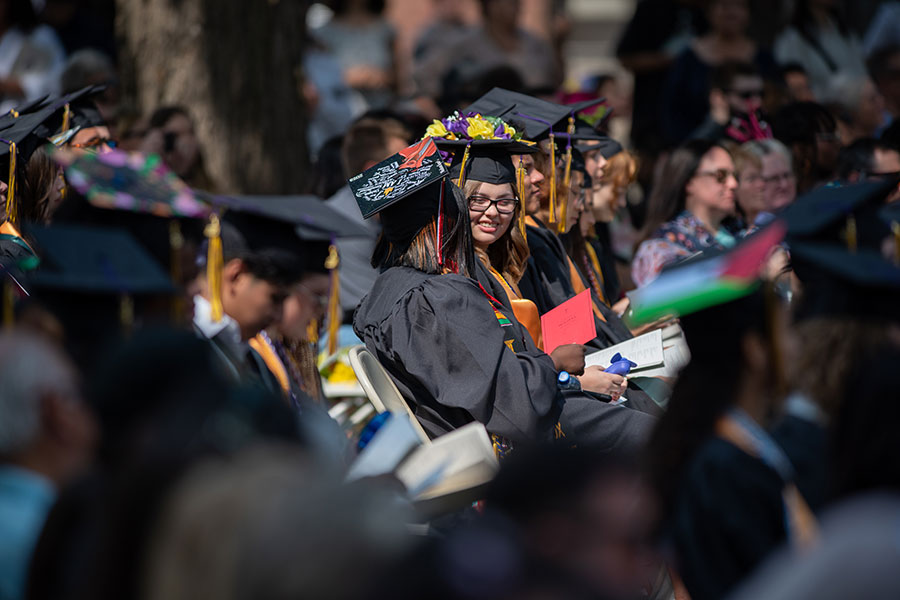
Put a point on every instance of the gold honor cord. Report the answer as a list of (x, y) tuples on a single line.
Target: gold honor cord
[(567, 179), (520, 184), (11, 213), (334, 299), (552, 179), (67, 113), (214, 265)]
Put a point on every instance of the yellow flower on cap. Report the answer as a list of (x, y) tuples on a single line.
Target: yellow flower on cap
[(480, 129), (436, 129)]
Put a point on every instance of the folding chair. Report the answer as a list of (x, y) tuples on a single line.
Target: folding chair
[(379, 388)]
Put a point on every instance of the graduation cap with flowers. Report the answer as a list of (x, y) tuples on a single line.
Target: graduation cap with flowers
[(480, 148)]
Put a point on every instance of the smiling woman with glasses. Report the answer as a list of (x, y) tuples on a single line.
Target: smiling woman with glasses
[(691, 199)]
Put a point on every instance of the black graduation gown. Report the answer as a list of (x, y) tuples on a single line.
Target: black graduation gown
[(728, 517), (546, 282), (806, 445), (251, 369), (602, 245), (440, 340)]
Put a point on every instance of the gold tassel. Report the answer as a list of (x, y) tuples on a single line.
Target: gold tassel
[(9, 303), (176, 243), (462, 168), (126, 314), (895, 229), (552, 179), (11, 213), (520, 184), (851, 233), (567, 181), (214, 265), (312, 333), (67, 113), (14, 113), (334, 304)]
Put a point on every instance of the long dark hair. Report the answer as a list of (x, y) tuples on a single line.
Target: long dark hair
[(706, 388), (667, 198), (864, 446), (420, 251)]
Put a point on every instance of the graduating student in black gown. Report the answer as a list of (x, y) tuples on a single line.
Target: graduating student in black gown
[(454, 349), (727, 489)]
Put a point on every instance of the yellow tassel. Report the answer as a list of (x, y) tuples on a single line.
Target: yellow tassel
[(14, 113), (11, 213), (895, 228), (520, 184), (462, 168), (312, 332), (215, 262), (126, 314), (67, 113), (553, 215), (9, 302), (567, 180), (334, 304), (176, 242), (851, 233)]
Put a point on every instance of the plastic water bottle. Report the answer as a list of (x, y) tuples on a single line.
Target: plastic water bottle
[(564, 381)]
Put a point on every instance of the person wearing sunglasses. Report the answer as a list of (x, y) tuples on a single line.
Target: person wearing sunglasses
[(693, 196)]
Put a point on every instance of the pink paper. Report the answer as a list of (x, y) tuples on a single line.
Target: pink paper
[(572, 322)]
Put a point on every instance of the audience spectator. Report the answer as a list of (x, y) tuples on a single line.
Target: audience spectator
[(884, 68), (857, 106), (777, 173), (796, 83), (750, 195), (364, 44), (497, 42), (686, 99), (810, 132), (46, 439), (735, 103), (819, 39), (31, 55), (81, 24), (171, 135), (91, 67)]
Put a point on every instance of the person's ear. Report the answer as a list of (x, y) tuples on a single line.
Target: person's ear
[(232, 270)]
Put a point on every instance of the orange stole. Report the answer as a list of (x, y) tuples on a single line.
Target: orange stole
[(8, 229), (525, 310), (574, 276), (272, 361)]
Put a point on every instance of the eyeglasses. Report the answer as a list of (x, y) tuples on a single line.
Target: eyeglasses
[(95, 143), (321, 299), (504, 206), (748, 94), (720, 175), (779, 177)]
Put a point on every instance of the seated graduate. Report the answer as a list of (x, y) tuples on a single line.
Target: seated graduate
[(485, 172), (261, 258), (727, 489), (456, 352)]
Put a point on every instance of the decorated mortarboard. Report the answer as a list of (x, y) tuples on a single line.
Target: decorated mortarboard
[(538, 117), (407, 191), (411, 171), (482, 148)]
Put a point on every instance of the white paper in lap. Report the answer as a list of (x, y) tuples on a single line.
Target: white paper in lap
[(645, 350)]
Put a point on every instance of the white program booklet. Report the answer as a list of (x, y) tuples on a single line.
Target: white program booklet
[(645, 350)]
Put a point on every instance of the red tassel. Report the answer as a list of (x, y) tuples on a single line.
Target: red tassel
[(440, 228)]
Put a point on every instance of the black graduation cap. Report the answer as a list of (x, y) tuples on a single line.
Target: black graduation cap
[(830, 213), (841, 283), (488, 161), (607, 147), (311, 217), (416, 176), (25, 132), (94, 260), (537, 117)]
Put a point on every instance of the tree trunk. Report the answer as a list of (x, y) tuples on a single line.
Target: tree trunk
[(237, 67)]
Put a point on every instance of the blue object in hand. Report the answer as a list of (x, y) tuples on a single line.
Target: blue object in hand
[(620, 365)]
